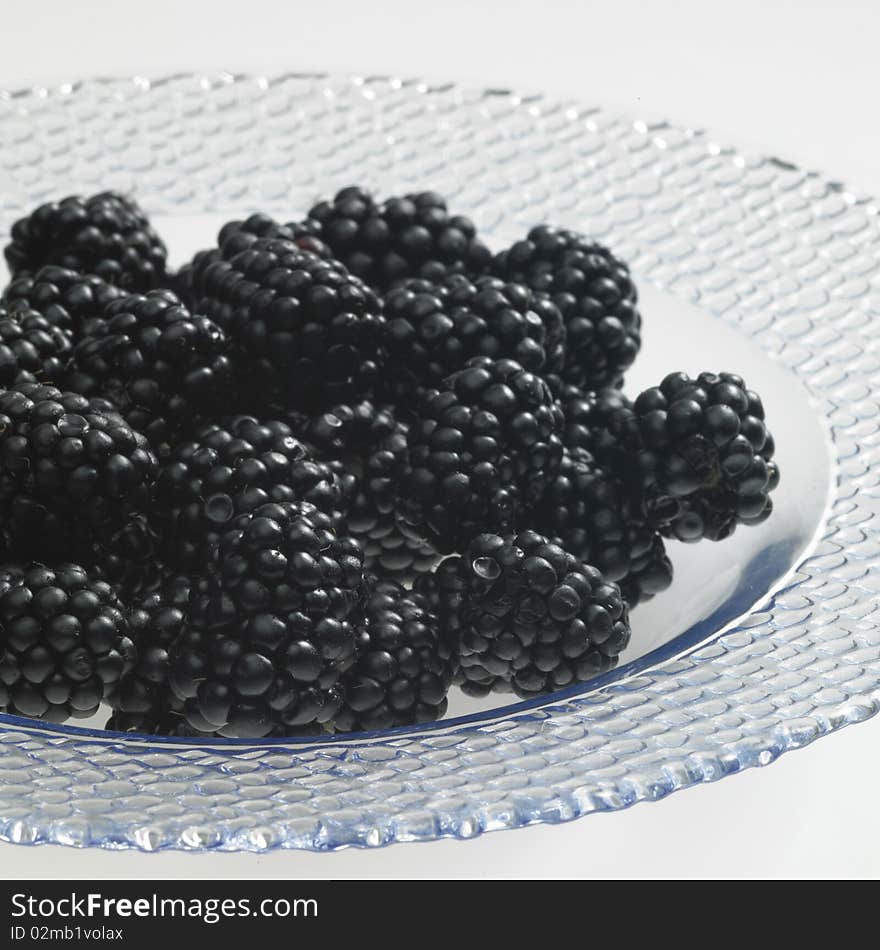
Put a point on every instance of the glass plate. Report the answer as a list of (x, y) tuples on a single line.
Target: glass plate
[(748, 263)]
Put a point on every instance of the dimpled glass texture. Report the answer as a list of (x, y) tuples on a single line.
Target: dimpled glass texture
[(760, 249)]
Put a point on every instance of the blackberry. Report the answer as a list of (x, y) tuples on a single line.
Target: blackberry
[(127, 557), (236, 236), (587, 413), (650, 576), (70, 301), (159, 365), (65, 641), (482, 452), (280, 636), (186, 282), (590, 513), (31, 348), (311, 332), (413, 236), (369, 442), (404, 667), (230, 468), (107, 235), (155, 621), (68, 470), (433, 334), (534, 618), (698, 452), (593, 290)]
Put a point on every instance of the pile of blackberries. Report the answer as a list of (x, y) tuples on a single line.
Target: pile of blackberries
[(330, 468)]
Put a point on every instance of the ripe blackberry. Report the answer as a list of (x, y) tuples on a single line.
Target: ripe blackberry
[(67, 469), (587, 413), (404, 667), (65, 641), (155, 621), (31, 348), (652, 575), (310, 331), (413, 236), (590, 513), (230, 468), (237, 236), (444, 591), (107, 235), (369, 442), (482, 452), (698, 452), (127, 558), (160, 366), (433, 334), (185, 283), (534, 618), (70, 301), (594, 292), (280, 636)]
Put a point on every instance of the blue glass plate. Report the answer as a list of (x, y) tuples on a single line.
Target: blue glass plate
[(747, 263)]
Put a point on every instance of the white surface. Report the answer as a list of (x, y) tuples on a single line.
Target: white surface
[(795, 78)]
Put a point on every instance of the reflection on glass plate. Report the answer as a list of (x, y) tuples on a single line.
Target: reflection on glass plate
[(764, 641)]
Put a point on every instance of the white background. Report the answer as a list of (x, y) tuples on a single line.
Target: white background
[(799, 79)]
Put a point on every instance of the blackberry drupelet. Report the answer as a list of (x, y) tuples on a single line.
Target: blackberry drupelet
[(412, 236), (70, 301), (159, 365), (698, 452), (31, 348), (534, 618), (404, 667), (594, 292), (484, 448), (232, 467), (590, 513), (107, 235), (433, 334), (69, 472), (310, 332), (369, 442), (65, 641), (280, 635)]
